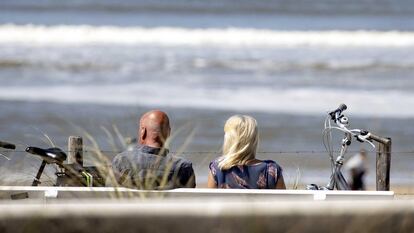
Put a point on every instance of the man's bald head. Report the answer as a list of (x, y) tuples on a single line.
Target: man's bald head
[(154, 128)]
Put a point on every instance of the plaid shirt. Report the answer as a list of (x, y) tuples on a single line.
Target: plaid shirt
[(152, 168)]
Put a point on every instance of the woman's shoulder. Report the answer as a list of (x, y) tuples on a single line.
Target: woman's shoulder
[(216, 161), (271, 164), (273, 169), (268, 161), (214, 165)]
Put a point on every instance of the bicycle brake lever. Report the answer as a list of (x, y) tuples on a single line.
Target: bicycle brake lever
[(358, 138), (363, 136)]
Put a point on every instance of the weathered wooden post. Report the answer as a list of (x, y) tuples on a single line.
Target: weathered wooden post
[(383, 166), (383, 162), (75, 150), (71, 175)]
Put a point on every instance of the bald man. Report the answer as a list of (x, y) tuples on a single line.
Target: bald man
[(148, 165)]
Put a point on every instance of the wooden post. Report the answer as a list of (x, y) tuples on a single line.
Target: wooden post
[(384, 165), (75, 150), (383, 162)]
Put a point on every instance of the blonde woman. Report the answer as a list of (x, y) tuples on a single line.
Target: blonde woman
[(238, 167)]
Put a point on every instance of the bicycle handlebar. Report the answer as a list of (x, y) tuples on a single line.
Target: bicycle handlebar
[(342, 123), (51, 155), (7, 145)]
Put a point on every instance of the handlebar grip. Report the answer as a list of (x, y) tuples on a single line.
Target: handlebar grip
[(7, 145), (342, 107), (339, 110)]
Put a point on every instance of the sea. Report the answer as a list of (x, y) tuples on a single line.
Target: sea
[(92, 67)]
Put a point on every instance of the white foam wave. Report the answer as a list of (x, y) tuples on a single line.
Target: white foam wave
[(79, 35), (304, 101)]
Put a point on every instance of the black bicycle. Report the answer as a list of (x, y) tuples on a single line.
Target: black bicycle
[(67, 174)]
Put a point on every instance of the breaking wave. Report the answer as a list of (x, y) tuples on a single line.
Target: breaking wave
[(165, 36)]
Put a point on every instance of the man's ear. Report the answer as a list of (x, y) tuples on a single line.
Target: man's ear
[(142, 134)]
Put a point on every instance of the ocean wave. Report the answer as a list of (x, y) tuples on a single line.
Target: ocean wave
[(165, 36), (267, 65), (55, 65), (303, 101), (196, 63)]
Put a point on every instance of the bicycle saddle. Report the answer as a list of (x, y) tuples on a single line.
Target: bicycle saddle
[(50, 155)]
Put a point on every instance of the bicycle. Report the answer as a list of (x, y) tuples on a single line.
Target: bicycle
[(67, 174), (336, 116)]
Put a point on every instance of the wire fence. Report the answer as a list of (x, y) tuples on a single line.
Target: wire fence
[(218, 152)]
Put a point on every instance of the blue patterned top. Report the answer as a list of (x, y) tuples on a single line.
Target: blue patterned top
[(263, 175)]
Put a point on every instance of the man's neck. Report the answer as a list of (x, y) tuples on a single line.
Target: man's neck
[(153, 144), (154, 150)]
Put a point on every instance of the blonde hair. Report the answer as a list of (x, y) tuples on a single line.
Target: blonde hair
[(240, 141)]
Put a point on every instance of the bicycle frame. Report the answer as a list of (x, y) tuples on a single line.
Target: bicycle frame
[(337, 179)]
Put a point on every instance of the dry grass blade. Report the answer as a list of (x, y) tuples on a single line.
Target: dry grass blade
[(48, 139), (121, 138), (5, 156), (297, 179), (43, 140), (111, 139)]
